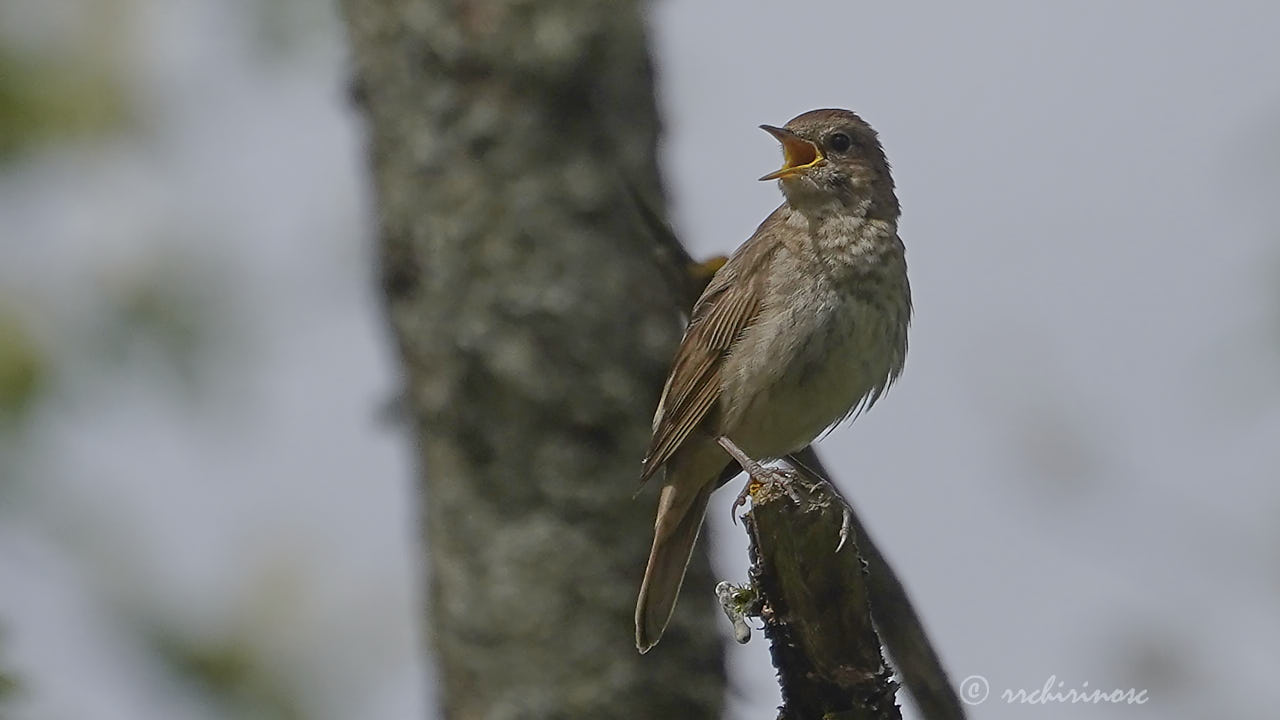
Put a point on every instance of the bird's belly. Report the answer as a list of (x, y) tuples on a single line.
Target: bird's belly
[(844, 356)]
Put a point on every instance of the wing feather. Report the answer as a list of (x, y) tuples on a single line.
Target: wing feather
[(729, 306)]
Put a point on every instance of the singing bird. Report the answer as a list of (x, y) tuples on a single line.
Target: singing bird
[(804, 326)]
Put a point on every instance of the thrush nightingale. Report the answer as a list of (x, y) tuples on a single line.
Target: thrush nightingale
[(804, 326)]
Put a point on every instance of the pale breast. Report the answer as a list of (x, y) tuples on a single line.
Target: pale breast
[(819, 350)]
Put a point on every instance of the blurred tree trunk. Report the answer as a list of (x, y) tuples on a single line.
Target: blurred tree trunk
[(534, 331)]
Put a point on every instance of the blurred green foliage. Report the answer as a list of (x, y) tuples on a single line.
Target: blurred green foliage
[(167, 309), (9, 687), (23, 367), (282, 27), (228, 674), (51, 98), (163, 315)]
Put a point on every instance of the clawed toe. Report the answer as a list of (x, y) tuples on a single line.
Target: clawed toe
[(741, 500), (846, 526)]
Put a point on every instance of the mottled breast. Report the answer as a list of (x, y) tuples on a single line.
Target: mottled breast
[(830, 340)]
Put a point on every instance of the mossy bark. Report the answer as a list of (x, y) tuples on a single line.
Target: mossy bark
[(534, 329), (816, 605)]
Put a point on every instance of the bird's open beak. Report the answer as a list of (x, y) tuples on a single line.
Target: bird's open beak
[(798, 154)]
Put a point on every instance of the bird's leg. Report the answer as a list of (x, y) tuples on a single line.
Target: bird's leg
[(759, 475), (749, 465)]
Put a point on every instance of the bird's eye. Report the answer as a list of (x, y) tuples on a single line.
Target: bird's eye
[(839, 142)]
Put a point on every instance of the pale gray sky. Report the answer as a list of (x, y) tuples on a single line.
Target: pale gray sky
[(1076, 472)]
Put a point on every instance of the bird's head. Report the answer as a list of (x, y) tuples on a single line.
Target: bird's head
[(833, 160)]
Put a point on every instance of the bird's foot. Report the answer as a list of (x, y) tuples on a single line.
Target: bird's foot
[(809, 465), (760, 478), (750, 487), (763, 483), (846, 525), (763, 480), (772, 479), (846, 510)]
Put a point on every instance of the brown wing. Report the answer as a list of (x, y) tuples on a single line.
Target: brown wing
[(729, 305)]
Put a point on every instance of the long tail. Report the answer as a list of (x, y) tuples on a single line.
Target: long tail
[(674, 534)]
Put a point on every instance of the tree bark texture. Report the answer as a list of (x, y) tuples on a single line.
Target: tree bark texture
[(896, 621), (535, 329), (815, 602)]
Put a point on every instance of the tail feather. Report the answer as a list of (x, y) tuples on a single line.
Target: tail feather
[(675, 533)]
